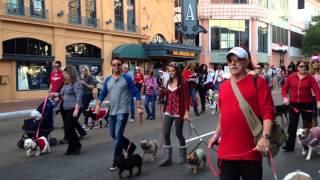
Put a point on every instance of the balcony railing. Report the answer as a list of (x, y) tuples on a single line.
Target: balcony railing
[(120, 26), (15, 10), (84, 21)]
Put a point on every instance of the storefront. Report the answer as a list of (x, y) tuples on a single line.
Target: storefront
[(33, 62)]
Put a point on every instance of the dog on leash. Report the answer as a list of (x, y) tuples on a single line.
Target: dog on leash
[(310, 138), (128, 163), (297, 175), (149, 147), (196, 160), (37, 147), (282, 111), (92, 116)]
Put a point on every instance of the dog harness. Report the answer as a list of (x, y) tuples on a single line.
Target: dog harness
[(41, 143)]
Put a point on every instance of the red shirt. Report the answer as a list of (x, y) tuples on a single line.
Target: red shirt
[(56, 80), (300, 89), (138, 78), (236, 136), (186, 74)]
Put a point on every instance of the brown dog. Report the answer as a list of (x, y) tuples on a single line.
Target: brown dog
[(149, 147), (196, 160)]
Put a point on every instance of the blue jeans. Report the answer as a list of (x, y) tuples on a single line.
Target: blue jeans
[(132, 108), (193, 94), (117, 124), (147, 100)]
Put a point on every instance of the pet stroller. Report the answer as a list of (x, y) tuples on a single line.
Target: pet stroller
[(92, 116), (43, 121)]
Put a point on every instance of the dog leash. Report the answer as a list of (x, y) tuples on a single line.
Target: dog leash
[(297, 110), (42, 111), (216, 173)]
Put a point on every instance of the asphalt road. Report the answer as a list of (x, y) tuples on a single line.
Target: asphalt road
[(97, 152)]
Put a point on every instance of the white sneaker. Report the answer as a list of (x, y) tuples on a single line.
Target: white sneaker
[(132, 120), (84, 126), (113, 168)]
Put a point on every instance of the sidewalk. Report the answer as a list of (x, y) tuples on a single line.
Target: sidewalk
[(9, 109)]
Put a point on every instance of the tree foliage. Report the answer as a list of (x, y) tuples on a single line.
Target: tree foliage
[(311, 41)]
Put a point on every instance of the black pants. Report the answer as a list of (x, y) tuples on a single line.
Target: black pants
[(235, 169), (294, 120), (86, 98), (202, 94), (70, 124), (168, 121)]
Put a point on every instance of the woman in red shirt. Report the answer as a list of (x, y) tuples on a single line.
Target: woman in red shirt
[(176, 110), (138, 78), (189, 76), (299, 84), (237, 153)]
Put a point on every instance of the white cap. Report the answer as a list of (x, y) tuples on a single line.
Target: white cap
[(239, 52)]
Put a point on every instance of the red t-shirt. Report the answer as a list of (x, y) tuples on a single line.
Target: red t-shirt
[(138, 78), (236, 136), (56, 80)]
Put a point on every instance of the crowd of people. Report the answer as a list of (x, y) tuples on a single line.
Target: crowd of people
[(176, 88)]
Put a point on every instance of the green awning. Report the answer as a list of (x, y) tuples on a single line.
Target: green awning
[(129, 51)]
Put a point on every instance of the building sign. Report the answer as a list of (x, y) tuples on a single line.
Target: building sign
[(189, 19), (183, 53)]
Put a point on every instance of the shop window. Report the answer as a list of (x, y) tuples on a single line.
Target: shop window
[(262, 37), (33, 76), (26, 46), (131, 15)]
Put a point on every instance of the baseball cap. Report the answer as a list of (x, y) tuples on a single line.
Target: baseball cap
[(239, 52)]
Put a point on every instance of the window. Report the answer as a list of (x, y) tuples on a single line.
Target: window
[(131, 8), (15, 7), (83, 50), (91, 13), (177, 3), (296, 39), (74, 12), (118, 15), (279, 35), (159, 38), (26, 46), (262, 37), (33, 76), (37, 8), (226, 34)]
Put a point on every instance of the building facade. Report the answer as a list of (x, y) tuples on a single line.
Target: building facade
[(34, 33), (271, 29)]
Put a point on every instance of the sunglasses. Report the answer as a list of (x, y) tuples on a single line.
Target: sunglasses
[(302, 66), (173, 64), (56, 66), (117, 64)]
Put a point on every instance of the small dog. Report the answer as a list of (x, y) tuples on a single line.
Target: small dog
[(37, 147), (128, 163), (282, 111), (297, 175), (309, 138), (196, 160), (92, 116), (149, 147)]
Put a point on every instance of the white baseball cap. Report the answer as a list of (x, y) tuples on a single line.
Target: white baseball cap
[(239, 52)]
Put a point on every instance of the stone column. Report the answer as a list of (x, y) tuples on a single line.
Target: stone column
[(253, 40), (59, 45), (205, 55)]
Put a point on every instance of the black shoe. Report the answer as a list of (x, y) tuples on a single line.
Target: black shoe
[(77, 151), (69, 151), (83, 135), (63, 141), (287, 149)]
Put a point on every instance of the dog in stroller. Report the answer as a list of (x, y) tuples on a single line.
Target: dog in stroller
[(43, 121), (93, 116)]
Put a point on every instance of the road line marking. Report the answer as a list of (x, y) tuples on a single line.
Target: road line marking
[(199, 137)]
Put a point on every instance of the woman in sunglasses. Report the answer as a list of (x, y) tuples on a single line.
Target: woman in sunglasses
[(176, 110), (299, 87)]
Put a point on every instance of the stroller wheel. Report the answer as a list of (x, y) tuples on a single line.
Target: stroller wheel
[(20, 144), (53, 141)]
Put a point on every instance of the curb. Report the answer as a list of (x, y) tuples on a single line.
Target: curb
[(15, 113)]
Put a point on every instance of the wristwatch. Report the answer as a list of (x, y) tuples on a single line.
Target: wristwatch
[(266, 136)]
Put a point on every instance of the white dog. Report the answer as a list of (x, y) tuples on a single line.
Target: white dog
[(37, 147), (309, 138), (297, 175)]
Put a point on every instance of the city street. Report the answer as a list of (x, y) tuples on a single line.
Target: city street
[(97, 152)]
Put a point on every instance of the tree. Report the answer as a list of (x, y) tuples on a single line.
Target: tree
[(311, 41)]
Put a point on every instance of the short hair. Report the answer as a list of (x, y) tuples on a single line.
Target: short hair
[(58, 62), (72, 72), (113, 59), (125, 65)]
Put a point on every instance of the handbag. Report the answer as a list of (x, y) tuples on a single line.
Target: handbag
[(278, 135)]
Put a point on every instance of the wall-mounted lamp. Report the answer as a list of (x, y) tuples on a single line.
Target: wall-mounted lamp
[(145, 27), (109, 21), (61, 13)]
